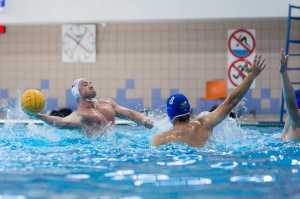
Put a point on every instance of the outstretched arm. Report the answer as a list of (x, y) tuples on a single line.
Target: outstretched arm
[(69, 122), (288, 91), (126, 113), (219, 114)]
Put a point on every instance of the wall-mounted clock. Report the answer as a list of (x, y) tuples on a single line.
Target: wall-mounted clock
[(79, 43)]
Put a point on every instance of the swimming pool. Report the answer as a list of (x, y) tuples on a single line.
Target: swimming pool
[(238, 162)]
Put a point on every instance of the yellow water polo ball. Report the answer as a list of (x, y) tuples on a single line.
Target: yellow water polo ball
[(32, 101)]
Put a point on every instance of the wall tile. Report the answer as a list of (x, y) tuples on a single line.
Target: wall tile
[(162, 55)]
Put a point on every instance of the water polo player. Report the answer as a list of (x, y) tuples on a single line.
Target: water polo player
[(291, 129), (93, 114), (196, 133)]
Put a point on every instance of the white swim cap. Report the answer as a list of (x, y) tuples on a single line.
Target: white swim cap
[(75, 90)]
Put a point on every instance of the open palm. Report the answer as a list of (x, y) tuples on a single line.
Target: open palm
[(283, 61)]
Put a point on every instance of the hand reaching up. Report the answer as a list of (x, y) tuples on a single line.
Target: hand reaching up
[(283, 61), (258, 66)]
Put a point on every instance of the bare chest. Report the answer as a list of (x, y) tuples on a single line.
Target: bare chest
[(96, 117)]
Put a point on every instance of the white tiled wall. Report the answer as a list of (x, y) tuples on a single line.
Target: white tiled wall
[(164, 55)]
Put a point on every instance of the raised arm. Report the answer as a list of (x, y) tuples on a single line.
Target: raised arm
[(288, 91), (126, 113), (69, 122), (220, 113)]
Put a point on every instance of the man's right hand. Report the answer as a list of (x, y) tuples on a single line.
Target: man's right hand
[(283, 61), (148, 124), (258, 66)]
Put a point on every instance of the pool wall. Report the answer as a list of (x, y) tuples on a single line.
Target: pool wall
[(141, 64)]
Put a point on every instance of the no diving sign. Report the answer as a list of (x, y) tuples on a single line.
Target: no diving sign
[(241, 43), (241, 47)]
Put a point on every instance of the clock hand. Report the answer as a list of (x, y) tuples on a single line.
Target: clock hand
[(79, 44), (71, 53), (75, 46), (71, 38), (79, 40), (84, 48)]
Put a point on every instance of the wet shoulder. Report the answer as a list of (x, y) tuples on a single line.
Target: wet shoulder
[(105, 101)]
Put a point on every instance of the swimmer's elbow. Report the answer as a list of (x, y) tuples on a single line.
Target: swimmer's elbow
[(295, 121), (61, 125), (64, 125)]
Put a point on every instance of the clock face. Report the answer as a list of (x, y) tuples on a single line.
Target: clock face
[(79, 43)]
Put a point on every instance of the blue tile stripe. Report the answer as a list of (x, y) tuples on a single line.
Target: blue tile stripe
[(51, 103), (158, 102), (130, 83), (4, 93), (44, 84), (265, 93)]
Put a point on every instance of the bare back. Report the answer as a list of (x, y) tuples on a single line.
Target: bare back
[(194, 133)]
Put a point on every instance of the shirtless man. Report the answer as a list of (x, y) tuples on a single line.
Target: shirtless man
[(196, 133), (291, 130), (93, 115)]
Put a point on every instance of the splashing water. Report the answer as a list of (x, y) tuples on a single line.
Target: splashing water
[(228, 135)]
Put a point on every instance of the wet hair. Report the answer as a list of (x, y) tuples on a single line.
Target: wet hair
[(184, 118)]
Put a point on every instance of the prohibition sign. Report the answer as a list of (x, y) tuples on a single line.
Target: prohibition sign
[(237, 70), (241, 43)]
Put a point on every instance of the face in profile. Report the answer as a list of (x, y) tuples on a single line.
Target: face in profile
[(86, 89)]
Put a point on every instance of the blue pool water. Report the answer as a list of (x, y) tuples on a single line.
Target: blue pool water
[(238, 162)]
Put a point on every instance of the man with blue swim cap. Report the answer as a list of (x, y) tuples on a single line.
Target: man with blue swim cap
[(291, 130), (196, 132), (93, 114), (177, 107)]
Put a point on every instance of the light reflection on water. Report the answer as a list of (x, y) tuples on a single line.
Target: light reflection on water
[(248, 162)]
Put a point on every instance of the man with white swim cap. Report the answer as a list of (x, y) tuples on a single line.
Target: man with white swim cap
[(93, 114), (196, 132), (291, 130)]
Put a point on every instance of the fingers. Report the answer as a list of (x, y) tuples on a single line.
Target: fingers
[(246, 65), (259, 58), (259, 62), (264, 67), (286, 58), (148, 124), (262, 63), (255, 60), (281, 56)]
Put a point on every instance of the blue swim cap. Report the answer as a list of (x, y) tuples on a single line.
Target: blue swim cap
[(297, 93), (177, 106)]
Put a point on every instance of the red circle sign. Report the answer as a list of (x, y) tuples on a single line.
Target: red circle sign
[(237, 70), (241, 43)]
